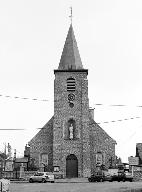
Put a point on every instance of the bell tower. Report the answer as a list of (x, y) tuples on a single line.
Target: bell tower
[(71, 143)]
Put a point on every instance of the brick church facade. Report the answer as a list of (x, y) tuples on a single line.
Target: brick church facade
[(72, 141)]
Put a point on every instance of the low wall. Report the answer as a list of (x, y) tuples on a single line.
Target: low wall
[(58, 175), (137, 175), (7, 174), (27, 174)]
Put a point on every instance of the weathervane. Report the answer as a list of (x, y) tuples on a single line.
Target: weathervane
[(71, 15)]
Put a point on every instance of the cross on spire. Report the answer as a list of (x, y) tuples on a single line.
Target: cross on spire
[(71, 14)]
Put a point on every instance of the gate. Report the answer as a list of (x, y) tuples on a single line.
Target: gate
[(71, 166)]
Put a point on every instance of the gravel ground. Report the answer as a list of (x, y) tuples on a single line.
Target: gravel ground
[(77, 187)]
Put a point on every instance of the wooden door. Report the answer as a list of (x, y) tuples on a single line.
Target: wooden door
[(71, 166)]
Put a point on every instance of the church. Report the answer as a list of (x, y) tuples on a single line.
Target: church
[(71, 141)]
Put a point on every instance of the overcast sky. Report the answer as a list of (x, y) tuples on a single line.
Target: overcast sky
[(109, 37)]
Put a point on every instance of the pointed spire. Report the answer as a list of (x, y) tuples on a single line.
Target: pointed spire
[(70, 59)]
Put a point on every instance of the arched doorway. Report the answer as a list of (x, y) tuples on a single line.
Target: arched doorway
[(71, 166)]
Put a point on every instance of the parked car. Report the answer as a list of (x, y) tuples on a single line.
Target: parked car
[(127, 177), (120, 177), (42, 177), (96, 178)]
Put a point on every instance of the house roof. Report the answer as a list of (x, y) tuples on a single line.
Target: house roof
[(21, 160), (70, 59)]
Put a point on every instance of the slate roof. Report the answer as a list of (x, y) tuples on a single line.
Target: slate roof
[(70, 59), (44, 130), (99, 131)]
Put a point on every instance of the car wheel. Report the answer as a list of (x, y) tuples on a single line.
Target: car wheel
[(89, 180), (30, 180), (43, 180)]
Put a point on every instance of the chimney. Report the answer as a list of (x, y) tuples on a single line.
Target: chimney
[(91, 111)]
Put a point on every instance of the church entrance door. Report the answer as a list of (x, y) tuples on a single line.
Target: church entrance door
[(71, 166)]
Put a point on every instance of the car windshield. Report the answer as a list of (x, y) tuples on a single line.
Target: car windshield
[(41, 174), (127, 173), (38, 174)]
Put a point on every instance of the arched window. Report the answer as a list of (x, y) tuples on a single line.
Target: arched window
[(71, 84), (99, 159), (43, 159)]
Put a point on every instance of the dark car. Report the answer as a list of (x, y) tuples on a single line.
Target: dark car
[(96, 178), (120, 177), (126, 177)]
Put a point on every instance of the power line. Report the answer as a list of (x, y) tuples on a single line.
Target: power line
[(116, 105), (11, 129), (113, 121), (45, 100), (119, 120), (23, 98)]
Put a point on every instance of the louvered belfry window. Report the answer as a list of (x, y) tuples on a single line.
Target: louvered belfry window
[(71, 84)]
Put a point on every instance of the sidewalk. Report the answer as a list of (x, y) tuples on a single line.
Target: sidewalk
[(66, 180), (72, 180)]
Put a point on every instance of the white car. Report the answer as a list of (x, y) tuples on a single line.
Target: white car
[(42, 177)]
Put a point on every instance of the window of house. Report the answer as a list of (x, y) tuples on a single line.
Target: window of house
[(99, 159), (43, 159)]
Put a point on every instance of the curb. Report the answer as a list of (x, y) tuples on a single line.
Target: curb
[(56, 181)]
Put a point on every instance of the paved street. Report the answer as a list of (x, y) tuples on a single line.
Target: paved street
[(77, 187)]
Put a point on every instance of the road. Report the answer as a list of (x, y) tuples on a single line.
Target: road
[(77, 187)]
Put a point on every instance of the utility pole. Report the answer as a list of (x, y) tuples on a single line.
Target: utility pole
[(14, 154), (5, 156)]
